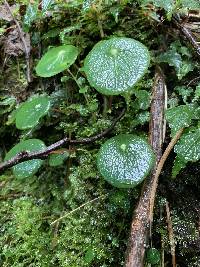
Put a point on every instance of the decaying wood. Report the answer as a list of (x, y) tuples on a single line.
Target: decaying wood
[(140, 227), (143, 215)]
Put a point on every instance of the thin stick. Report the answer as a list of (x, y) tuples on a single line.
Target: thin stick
[(140, 227), (171, 235), (24, 155), (75, 210), (26, 50), (159, 169)]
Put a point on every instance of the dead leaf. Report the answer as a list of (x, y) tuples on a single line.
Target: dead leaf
[(12, 44)]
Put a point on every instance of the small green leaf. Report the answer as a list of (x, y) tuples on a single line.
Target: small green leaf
[(184, 91), (114, 66), (197, 91), (167, 5), (28, 115), (174, 59), (153, 256), (46, 4), (87, 4), (7, 104), (143, 99), (57, 159), (125, 160), (179, 117), (31, 15), (56, 60), (89, 255), (190, 4), (179, 163), (30, 167), (51, 33), (188, 147)]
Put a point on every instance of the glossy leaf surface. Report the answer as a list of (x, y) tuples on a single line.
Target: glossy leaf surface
[(125, 160), (179, 117), (153, 256), (31, 111), (31, 15), (114, 66), (188, 147), (46, 4), (56, 60), (30, 167)]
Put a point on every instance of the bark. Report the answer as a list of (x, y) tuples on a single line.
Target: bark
[(141, 223)]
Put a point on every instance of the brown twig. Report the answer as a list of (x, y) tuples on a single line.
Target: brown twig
[(24, 155), (143, 216), (159, 169), (141, 224), (21, 34), (171, 235), (188, 34)]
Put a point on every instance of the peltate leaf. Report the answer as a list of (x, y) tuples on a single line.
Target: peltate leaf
[(30, 167), (114, 66), (28, 115), (125, 160), (56, 60)]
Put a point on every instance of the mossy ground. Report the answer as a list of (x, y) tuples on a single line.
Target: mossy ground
[(96, 233)]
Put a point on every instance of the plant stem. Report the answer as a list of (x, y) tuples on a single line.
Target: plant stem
[(81, 206), (74, 78), (42, 154)]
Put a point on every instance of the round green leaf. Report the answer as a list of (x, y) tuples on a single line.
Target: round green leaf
[(30, 167), (153, 256), (56, 60), (114, 66), (28, 115), (125, 160)]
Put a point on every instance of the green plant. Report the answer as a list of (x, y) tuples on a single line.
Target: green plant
[(107, 70), (125, 160), (93, 217), (29, 113), (28, 168), (114, 66), (56, 60)]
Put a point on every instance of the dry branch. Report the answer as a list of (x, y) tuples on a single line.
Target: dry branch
[(143, 215), (140, 226), (24, 155)]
